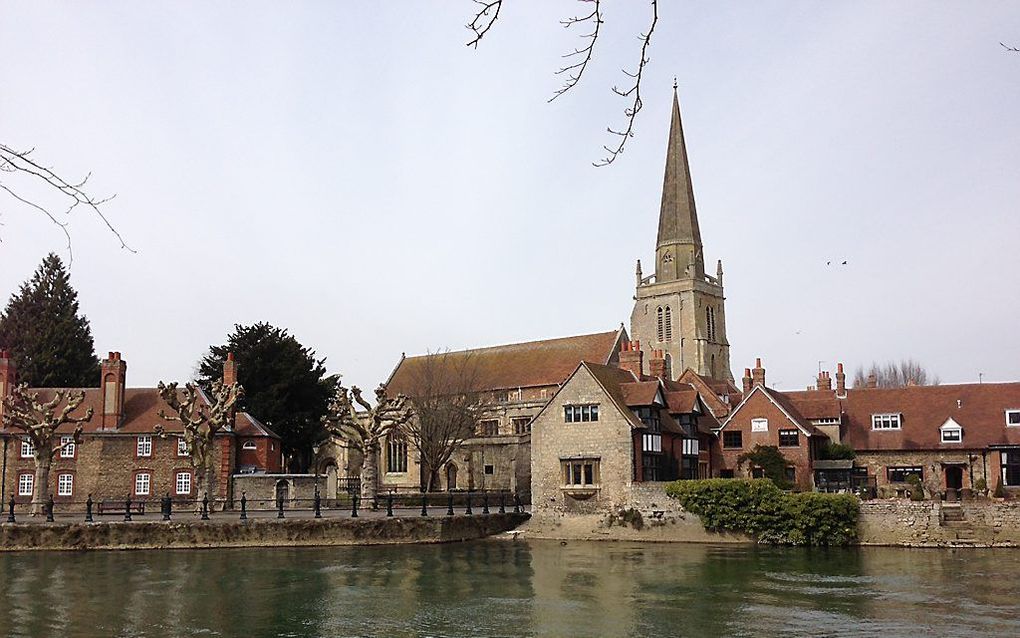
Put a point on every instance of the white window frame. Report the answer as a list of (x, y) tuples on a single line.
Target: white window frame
[(65, 488), (182, 446), (760, 424), (953, 428), (67, 447), (249, 445), (26, 479), (581, 413), (1012, 412), (27, 449), (887, 421), (651, 442), (572, 480), (143, 446), (178, 483), (147, 483)]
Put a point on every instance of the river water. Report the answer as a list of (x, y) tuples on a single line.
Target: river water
[(497, 588)]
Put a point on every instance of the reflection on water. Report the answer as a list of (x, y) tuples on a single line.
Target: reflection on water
[(513, 589)]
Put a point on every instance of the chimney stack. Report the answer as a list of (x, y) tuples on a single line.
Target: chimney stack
[(8, 377), (824, 381), (872, 381), (758, 373), (747, 380), (631, 357), (114, 379), (229, 370), (657, 365), (840, 381)]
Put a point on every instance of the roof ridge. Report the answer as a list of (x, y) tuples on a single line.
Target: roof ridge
[(521, 343)]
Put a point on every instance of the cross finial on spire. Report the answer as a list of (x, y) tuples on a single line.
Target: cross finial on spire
[(674, 82)]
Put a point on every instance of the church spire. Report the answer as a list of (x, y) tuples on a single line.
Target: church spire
[(679, 235)]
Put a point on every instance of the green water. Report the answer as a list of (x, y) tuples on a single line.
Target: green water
[(513, 589)]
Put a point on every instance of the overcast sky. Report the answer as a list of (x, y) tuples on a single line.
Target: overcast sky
[(354, 173)]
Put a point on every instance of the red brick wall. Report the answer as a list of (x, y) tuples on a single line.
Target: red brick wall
[(266, 455), (760, 406)]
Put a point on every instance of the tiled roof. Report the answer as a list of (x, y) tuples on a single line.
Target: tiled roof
[(682, 401), (710, 394), (247, 425), (979, 408), (521, 365), (640, 393), (815, 404)]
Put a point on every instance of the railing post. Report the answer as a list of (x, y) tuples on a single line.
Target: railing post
[(318, 503), (244, 507), (127, 509), (424, 504), (354, 506), (389, 504), (502, 502), (467, 510), (449, 503), (168, 506), (10, 510), (88, 509), (205, 506), (49, 509), (517, 503), (485, 502), (279, 507)]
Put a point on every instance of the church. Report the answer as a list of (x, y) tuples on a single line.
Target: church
[(677, 339)]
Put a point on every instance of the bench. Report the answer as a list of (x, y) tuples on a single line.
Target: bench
[(119, 507)]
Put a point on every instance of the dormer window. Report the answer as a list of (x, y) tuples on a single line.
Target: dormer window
[(1013, 418), (951, 432), (886, 421)]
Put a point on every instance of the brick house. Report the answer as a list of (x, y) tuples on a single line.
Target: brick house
[(121, 455), (611, 427)]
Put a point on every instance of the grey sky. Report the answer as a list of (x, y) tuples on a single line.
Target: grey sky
[(353, 172)]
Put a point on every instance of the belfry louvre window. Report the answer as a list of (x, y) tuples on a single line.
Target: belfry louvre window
[(580, 472), (668, 329), (581, 413), (396, 455), (659, 324), (885, 421)]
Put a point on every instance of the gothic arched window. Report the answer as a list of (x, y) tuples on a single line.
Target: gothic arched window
[(658, 322), (669, 325), (396, 453), (710, 323)]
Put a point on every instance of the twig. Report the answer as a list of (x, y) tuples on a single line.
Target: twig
[(635, 90), (576, 70), (1009, 48), (13, 161), (482, 21)]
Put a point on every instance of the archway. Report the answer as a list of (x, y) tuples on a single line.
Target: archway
[(282, 491), (451, 476)]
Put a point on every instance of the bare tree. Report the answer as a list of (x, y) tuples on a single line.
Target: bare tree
[(21, 173), (894, 375), (446, 404), (200, 423), (365, 431), (579, 59), (39, 420)]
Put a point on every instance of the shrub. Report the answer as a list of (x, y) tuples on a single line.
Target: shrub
[(916, 489), (759, 508), (981, 485), (1000, 491), (770, 460), (837, 452)]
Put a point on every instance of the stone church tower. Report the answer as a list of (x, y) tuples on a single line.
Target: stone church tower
[(679, 309)]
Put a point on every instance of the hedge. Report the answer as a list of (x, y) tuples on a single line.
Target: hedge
[(759, 508)]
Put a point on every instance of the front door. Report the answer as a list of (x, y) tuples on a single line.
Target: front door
[(954, 481)]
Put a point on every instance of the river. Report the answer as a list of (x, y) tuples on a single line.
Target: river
[(502, 588)]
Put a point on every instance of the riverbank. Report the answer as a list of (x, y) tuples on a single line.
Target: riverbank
[(304, 532)]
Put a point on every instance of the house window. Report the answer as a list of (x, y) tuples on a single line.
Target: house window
[(143, 480), (522, 425), (733, 439), (489, 427), (182, 483), (727, 474), (25, 484), (790, 474), (182, 447), (1011, 467), (900, 474), (691, 447), (651, 443), (580, 472), (67, 447), (789, 438), (249, 445), (65, 484), (27, 449), (952, 435), (1013, 417), (885, 421), (396, 454), (759, 425), (490, 469), (580, 413), (144, 446)]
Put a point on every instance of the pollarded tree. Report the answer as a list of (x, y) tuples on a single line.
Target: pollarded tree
[(200, 422), (39, 419), (48, 338), (364, 432)]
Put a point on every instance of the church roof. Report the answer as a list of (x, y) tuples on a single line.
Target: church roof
[(678, 218), (520, 365)]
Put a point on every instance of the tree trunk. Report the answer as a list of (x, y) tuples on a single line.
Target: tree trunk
[(370, 475), (41, 493)]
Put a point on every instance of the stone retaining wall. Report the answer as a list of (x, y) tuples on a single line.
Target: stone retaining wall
[(922, 524), (253, 533)]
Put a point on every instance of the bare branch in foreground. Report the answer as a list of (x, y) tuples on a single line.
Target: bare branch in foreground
[(576, 70), (484, 19), (1009, 48)]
